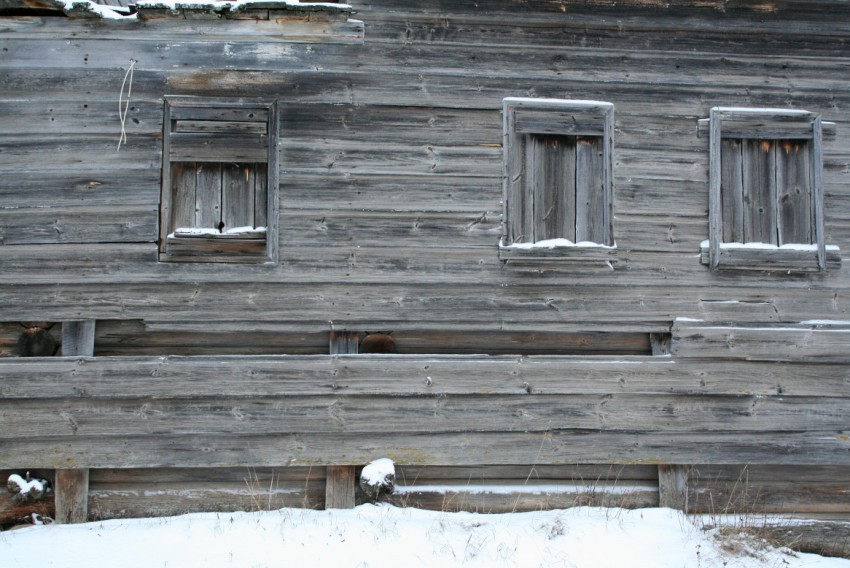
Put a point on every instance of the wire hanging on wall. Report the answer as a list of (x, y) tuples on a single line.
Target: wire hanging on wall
[(122, 112)]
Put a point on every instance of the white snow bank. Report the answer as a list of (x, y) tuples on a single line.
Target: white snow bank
[(382, 536)]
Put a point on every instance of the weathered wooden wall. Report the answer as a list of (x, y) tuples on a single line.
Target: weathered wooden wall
[(390, 217), (390, 164)]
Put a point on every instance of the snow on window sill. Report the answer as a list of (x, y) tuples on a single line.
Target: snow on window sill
[(558, 250), (236, 232), (787, 258)]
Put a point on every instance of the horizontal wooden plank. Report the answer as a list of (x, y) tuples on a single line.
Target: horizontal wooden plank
[(429, 305), (217, 147), (188, 112), (438, 413), (218, 126), (154, 378), (762, 489), (116, 223), (639, 26), (803, 448), (522, 497), (775, 259), (778, 342)]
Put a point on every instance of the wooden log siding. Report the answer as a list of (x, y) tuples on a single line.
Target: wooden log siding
[(274, 411), (390, 216)]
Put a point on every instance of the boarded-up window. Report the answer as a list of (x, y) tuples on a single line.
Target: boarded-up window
[(219, 181), (558, 189), (766, 190)]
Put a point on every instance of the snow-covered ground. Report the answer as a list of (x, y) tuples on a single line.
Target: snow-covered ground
[(384, 536)]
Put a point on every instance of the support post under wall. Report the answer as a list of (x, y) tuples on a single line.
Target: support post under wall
[(72, 485), (340, 482)]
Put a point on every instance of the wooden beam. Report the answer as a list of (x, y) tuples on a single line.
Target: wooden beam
[(72, 485), (78, 338), (673, 486), (340, 482), (339, 491), (72, 495)]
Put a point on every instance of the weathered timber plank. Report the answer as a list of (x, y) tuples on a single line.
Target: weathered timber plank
[(72, 494), (78, 338), (77, 154), (769, 489), (554, 61), (129, 493), (639, 28), (549, 447), (118, 337), (450, 263), (429, 305), (415, 89), (340, 487), (529, 497), (144, 500), (282, 29), (154, 378), (115, 223), (437, 413), (673, 486), (776, 343), (589, 475), (95, 187)]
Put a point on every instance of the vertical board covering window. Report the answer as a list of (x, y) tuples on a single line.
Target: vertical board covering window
[(219, 181), (766, 191), (558, 180)]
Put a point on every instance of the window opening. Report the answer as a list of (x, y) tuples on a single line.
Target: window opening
[(558, 178), (219, 181)]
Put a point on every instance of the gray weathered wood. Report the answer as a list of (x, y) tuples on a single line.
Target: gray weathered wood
[(339, 492), (387, 197), (793, 192), (590, 191), (72, 493), (673, 486), (78, 338), (341, 479)]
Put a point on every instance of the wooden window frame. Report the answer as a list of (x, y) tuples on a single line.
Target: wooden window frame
[(230, 133), (768, 126), (555, 120)]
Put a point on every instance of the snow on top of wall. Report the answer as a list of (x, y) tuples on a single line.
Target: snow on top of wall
[(188, 4), (105, 12), (120, 13)]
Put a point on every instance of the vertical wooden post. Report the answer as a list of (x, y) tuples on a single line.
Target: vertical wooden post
[(339, 488), (344, 342), (72, 495), (673, 486), (340, 482), (78, 338), (72, 485)]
